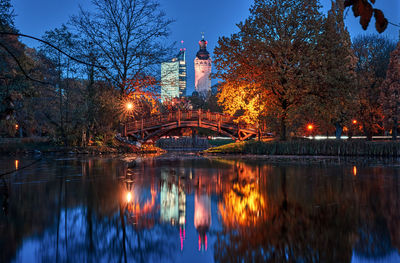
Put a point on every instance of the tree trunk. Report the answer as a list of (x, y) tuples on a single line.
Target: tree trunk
[(283, 128), (394, 129), (338, 131), (283, 121), (368, 133)]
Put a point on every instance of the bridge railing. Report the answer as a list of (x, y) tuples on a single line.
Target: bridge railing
[(178, 116)]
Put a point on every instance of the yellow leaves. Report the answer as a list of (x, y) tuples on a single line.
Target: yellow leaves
[(241, 98), (242, 205)]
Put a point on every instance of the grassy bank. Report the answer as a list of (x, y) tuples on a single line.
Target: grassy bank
[(29, 145), (312, 147)]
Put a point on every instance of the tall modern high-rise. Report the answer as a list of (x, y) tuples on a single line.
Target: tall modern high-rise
[(202, 68), (173, 77)]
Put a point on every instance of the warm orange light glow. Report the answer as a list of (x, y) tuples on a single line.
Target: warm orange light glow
[(354, 121), (345, 129), (354, 170), (129, 197), (310, 127), (129, 106), (16, 164), (242, 209), (16, 126)]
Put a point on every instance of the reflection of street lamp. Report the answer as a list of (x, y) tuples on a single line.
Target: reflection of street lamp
[(128, 197)]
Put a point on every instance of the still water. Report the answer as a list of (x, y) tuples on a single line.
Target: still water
[(186, 208)]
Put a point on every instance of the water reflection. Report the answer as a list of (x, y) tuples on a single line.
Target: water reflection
[(199, 210)]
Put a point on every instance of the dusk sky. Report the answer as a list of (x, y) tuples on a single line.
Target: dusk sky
[(214, 17)]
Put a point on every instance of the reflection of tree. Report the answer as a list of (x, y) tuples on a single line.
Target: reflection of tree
[(318, 220), (242, 205), (269, 213)]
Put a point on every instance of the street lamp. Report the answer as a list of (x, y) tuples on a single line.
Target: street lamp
[(129, 106), (310, 127)]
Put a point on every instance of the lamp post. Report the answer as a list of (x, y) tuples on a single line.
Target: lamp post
[(310, 128)]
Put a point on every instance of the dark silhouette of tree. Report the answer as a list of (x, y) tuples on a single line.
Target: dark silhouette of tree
[(373, 54), (127, 36), (390, 93)]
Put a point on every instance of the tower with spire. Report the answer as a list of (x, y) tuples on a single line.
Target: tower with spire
[(202, 68)]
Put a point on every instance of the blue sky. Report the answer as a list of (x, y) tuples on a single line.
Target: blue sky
[(214, 17)]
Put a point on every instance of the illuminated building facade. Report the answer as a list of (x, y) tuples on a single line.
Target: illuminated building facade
[(202, 69), (173, 77)]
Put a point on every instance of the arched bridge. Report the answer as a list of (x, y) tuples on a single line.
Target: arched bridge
[(159, 125)]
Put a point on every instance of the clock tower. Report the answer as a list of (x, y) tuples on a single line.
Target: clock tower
[(202, 69)]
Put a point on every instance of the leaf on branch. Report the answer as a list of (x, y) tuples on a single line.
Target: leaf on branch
[(356, 8), (348, 3), (380, 21), (366, 12)]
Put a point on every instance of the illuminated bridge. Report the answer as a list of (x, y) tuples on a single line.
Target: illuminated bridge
[(156, 126)]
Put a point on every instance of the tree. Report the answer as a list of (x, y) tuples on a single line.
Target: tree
[(267, 68), (64, 69), (15, 67), (373, 54), (332, 102), (390, 93), (127, 36), (6, 15)]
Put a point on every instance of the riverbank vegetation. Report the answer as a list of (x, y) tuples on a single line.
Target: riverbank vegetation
[(312, 147), (40, 145)]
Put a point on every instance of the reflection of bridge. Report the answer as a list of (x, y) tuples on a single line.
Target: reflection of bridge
[(159, 125)]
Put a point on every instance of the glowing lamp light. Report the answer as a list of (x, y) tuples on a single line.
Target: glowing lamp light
[(16, 164), (129, 106), (16, 126), (354, 121), (129, 197), (310, 127), (354, 170)]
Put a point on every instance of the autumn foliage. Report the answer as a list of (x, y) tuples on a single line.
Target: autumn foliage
[(364, 10), (390, 92)]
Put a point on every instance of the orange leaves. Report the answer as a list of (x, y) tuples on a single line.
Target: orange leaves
[(364, 10)]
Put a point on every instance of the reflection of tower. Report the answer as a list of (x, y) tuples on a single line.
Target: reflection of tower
[(182, 214), (169, 211), (173, 202), (202, 68), (202, 215)]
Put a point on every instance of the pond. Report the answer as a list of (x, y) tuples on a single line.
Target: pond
[(188, 208)]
